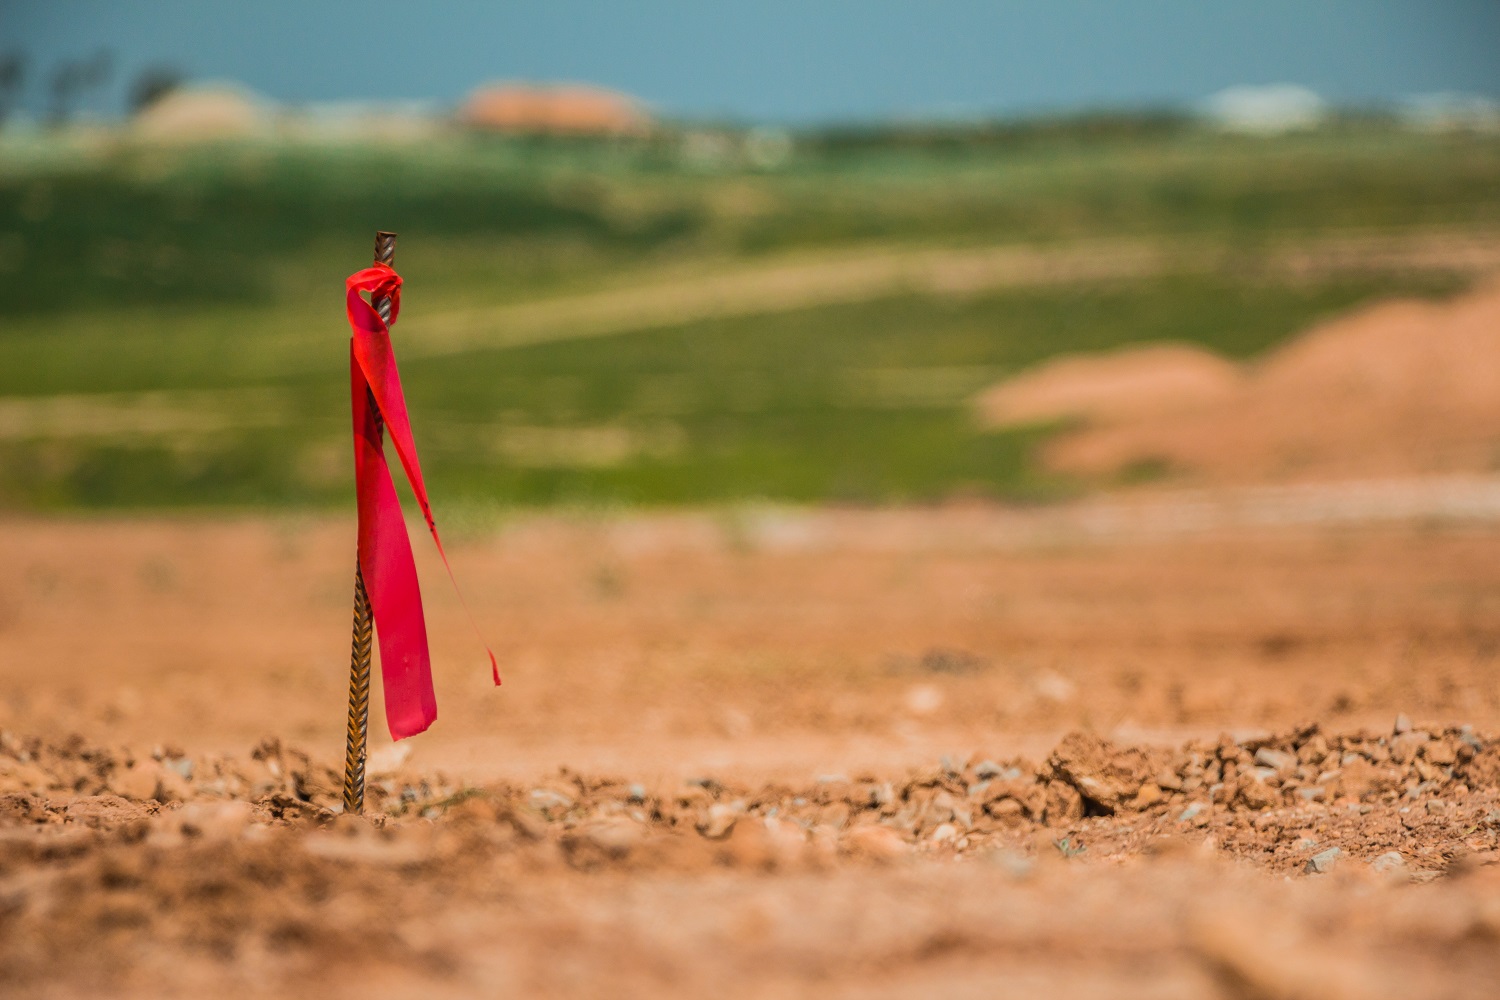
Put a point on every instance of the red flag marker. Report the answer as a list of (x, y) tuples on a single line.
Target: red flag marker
[(384, 550), (387, 571)]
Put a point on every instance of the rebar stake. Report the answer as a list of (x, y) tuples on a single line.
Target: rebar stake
[(357, 734)]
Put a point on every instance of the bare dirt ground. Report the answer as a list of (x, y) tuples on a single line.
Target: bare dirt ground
[(959, 752)]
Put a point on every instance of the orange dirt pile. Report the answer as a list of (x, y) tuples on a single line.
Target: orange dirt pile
[(1118, 385), (1400, 388), (567, 110)]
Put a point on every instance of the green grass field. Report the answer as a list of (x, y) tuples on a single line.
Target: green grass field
[(172, 331)]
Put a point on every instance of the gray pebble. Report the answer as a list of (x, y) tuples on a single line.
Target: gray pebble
[(1322, 863), (546, 799), (987, 769), (1274, 759)]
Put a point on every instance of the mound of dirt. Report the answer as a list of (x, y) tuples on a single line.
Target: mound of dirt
[(204, 113), (1136, 382), (1400, 388), (562, 110)]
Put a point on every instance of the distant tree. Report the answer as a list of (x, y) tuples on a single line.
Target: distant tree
[(151, 85), (12, 82), (73, 78)]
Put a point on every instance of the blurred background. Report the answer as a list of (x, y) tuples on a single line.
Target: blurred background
[(777, 368), (661, 254)]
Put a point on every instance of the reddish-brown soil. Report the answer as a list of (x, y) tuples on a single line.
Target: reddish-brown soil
[(762, 754)]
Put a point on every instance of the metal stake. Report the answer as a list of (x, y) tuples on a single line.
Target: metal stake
[(357, 734)]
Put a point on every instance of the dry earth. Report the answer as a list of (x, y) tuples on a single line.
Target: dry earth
[(971, 752)]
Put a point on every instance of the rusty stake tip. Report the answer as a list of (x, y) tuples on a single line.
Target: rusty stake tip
[(385, 246)]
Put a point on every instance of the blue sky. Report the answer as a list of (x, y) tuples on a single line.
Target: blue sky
[(783, 60)]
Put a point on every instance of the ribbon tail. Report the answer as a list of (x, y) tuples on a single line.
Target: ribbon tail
[(375, 358), (390, 572)]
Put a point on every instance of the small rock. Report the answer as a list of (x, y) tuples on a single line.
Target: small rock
[(1147, 797), (1255, 793), (170, 787), (139, 782), (987, 769), (719, 821), (1191, 811), (549, 800), (944, 833), (529, 823), (181, 766), (1311, 794), (1440, 753), (614, 837), (1436, 806), (1403, 724), (635, 793), (1390, 861), (1322, 863), (1276, 760), (1007, 811), (1404, 747)]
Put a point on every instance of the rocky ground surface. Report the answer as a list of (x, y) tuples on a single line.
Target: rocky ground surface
[(875, 755), (169, 872)]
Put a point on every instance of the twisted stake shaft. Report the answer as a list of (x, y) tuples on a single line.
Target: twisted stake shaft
[(357, 732), (359, 697)]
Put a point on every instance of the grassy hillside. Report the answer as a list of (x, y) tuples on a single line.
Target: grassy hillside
[(172, 331)]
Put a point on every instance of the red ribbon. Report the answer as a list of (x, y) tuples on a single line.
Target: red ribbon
[(385, 556)]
